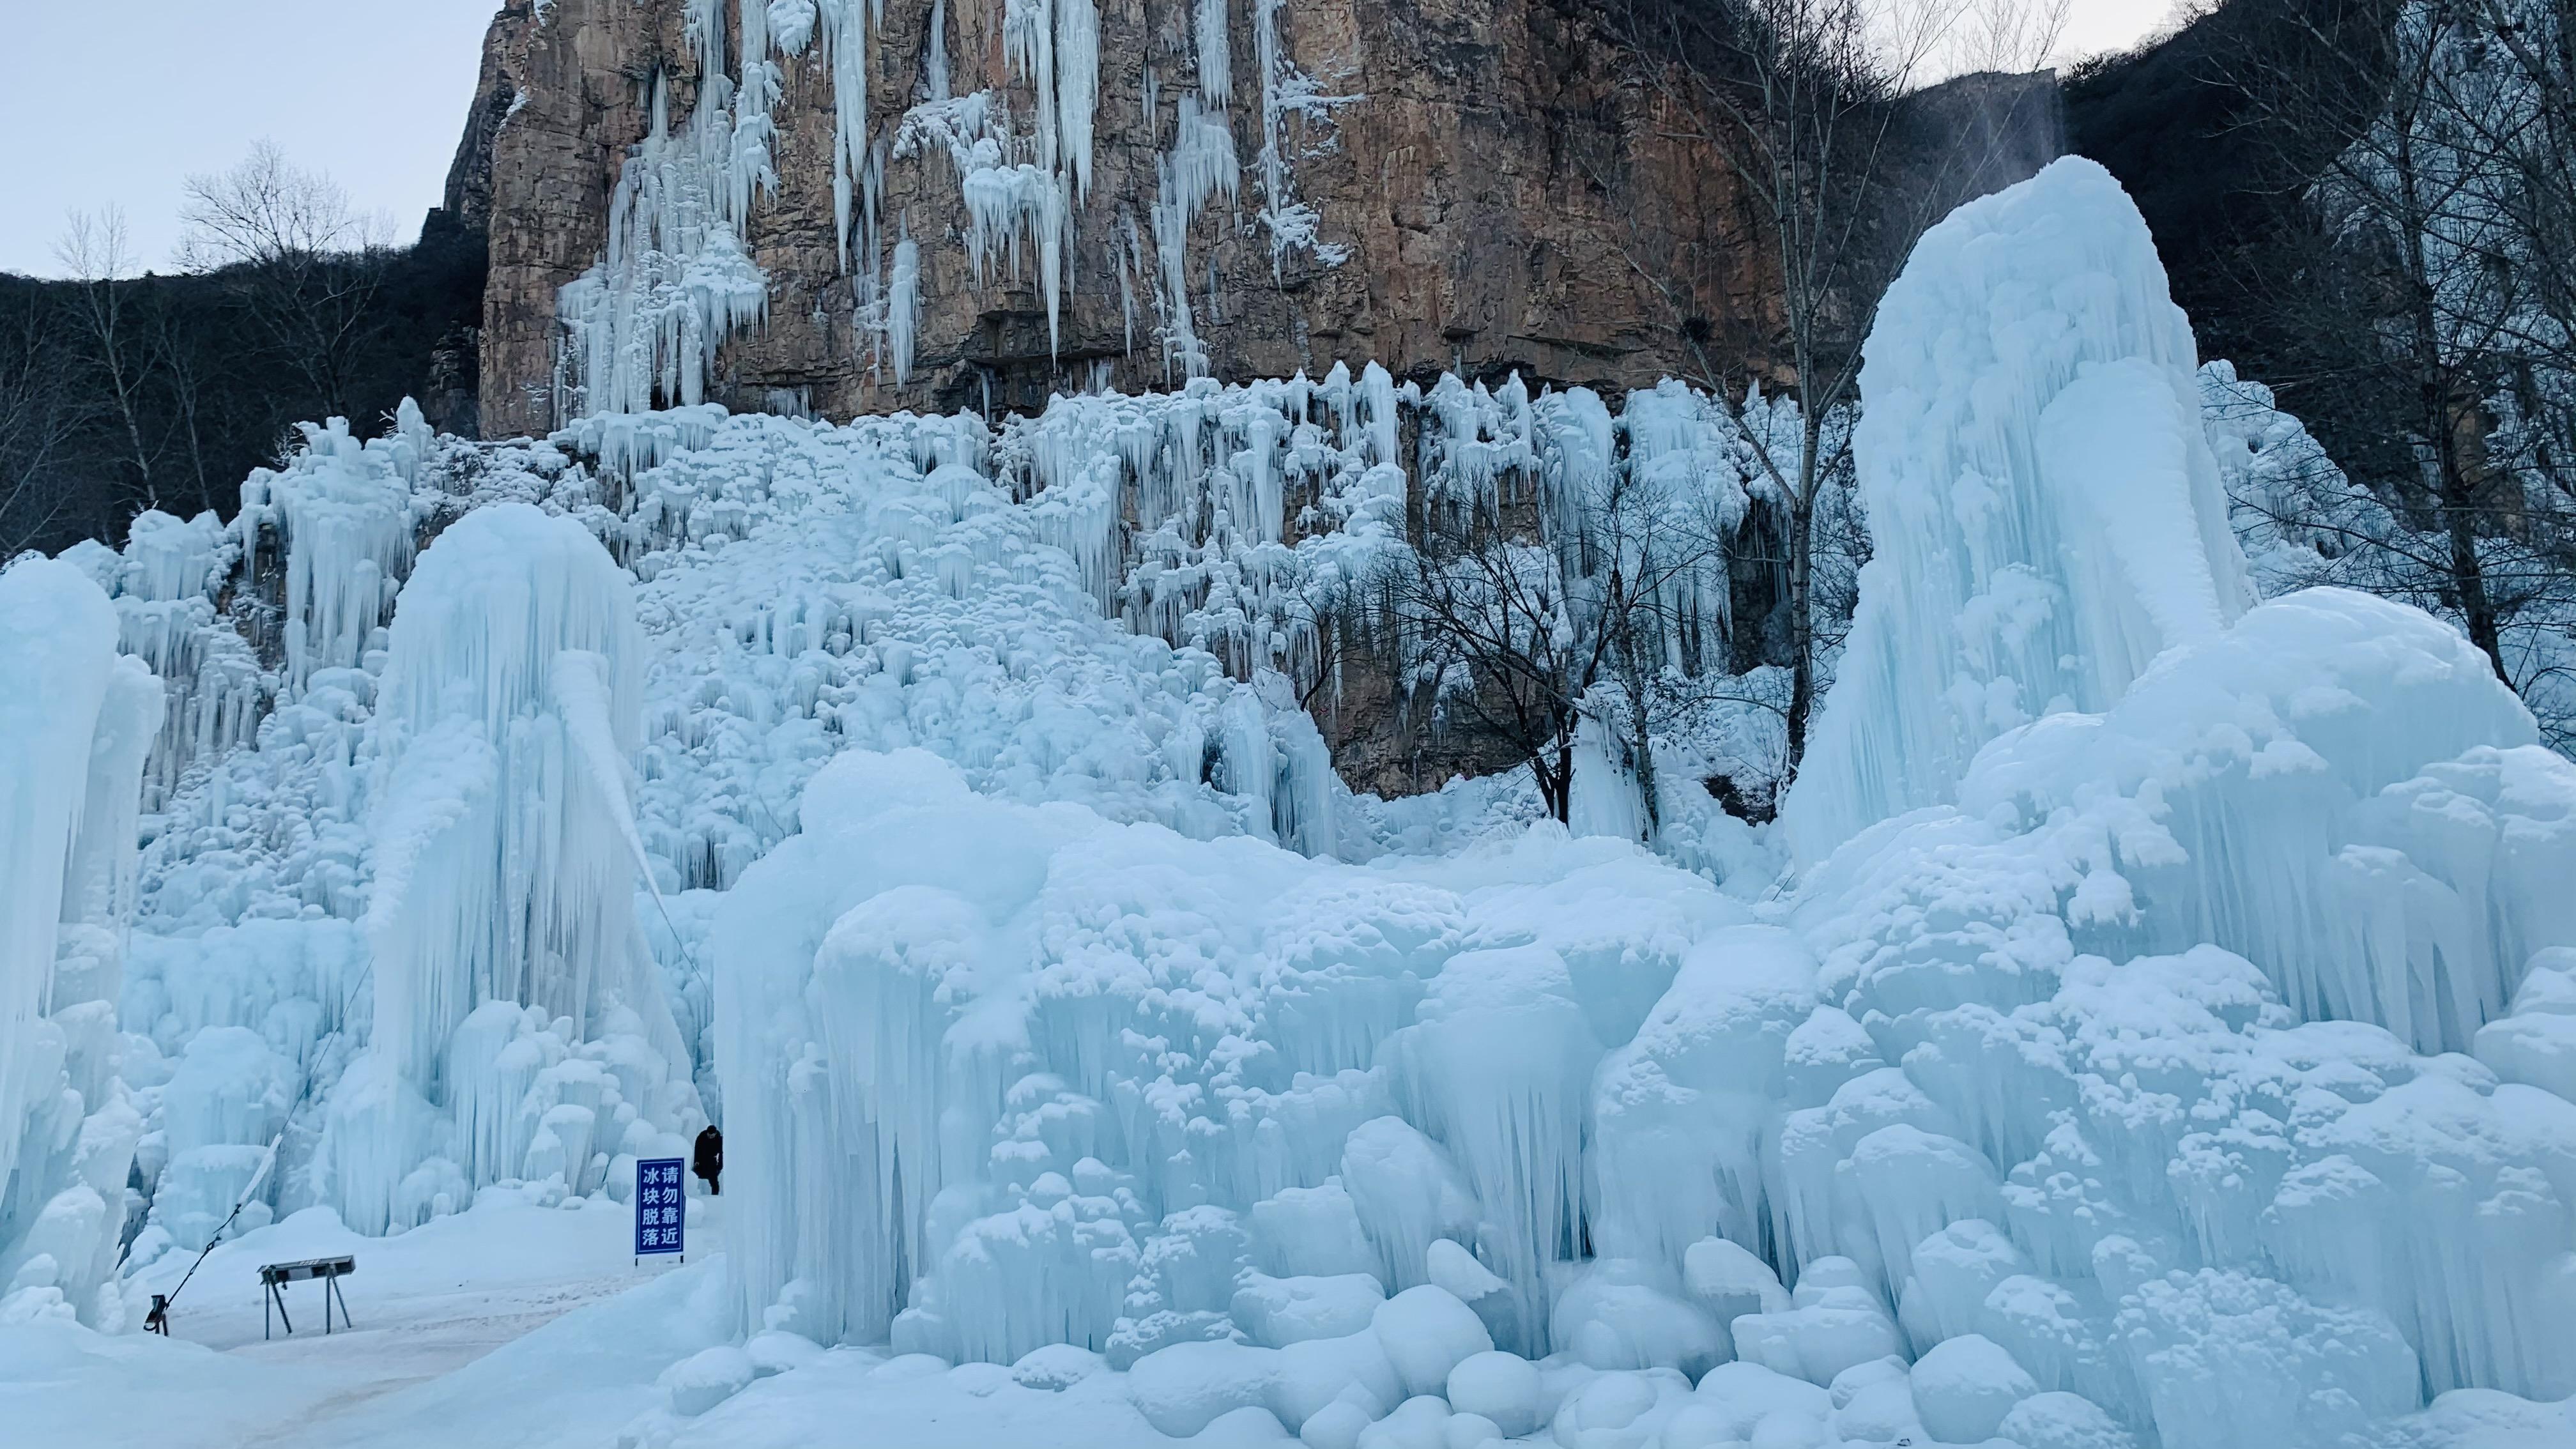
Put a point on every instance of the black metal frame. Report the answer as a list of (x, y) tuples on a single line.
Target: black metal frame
[(274, 1277)]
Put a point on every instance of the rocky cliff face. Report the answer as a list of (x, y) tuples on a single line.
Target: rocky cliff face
[(861, 206), (1425, 183)]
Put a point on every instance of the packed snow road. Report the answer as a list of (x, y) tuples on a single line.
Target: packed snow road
[(429, 1307)]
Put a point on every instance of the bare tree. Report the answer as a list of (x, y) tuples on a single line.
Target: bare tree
[(95, 253), (1604, 607), (2424, 290), (308, 263), (1800, 98), (1487, 634), (2427, 291), (2007, 36), (1646, 565), (40, 419)]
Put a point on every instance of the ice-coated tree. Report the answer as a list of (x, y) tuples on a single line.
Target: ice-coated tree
[(2425, 297), (1801, 99)]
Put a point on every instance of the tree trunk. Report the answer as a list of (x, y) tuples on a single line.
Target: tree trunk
[(1641, 744), (2454, 488), (2460, 522), (1802, 620), (1556, 784)]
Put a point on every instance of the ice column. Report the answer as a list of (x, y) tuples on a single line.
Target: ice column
[(504, 837), (903, 308), (2047, 511), (78, 720)]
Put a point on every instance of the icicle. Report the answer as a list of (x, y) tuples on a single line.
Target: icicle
[(1077, 61), (1028, 39), (845, 41), (903, 307), (1200, 165), (934, 61), (1216, 56)]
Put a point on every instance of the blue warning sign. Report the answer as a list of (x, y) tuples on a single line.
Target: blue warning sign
[(661, 1207)]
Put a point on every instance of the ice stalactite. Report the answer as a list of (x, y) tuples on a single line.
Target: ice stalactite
[(507, 857), (1199, 166), (1286, 92), (1031, 185), (854, 178), (2004, 596), (642, 328), (705, 21), (934, 60), (1004, 205), (79, 720), (1209, 20), (1077, 86), (903, 307), (1029, 39), (1274, 166)]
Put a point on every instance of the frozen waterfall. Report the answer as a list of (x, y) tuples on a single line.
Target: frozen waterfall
[(76, 721), (2107, 1079), (514, 1000)]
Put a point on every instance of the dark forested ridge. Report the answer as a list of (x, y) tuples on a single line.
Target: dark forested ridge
[(165, 391), (2201, 130)]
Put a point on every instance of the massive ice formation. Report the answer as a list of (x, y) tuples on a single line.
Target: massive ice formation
[(512, 988), (2045, 508), (2167, 1036), (2164, 1040), (76, 721)]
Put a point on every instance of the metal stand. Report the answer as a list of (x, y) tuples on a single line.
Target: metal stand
[(275, 1276)]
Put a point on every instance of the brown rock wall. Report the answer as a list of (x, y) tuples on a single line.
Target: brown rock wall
[(1496, 185)]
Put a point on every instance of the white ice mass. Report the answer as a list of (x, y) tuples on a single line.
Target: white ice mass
[(2151, 1023)]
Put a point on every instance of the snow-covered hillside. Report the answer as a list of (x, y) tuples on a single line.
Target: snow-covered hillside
[(2152, 1021)]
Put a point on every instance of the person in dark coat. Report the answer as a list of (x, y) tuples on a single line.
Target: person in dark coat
[(708, 1160)]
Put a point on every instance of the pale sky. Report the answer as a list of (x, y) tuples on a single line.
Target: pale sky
[(118, 101), (2094, 26), (119, 104)]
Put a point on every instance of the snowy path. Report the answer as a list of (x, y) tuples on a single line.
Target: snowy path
[(430, 1306)]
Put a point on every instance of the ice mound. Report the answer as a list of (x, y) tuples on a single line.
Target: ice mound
[(2157, 1044), (2045, 507), (2175, 991), (1091, 1075)]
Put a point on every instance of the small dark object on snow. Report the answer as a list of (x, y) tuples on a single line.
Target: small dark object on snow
[(158, 1320), (708, 1160)]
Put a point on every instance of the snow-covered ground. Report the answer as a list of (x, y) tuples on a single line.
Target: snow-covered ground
[(2150, 1025), (583, 1332)]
